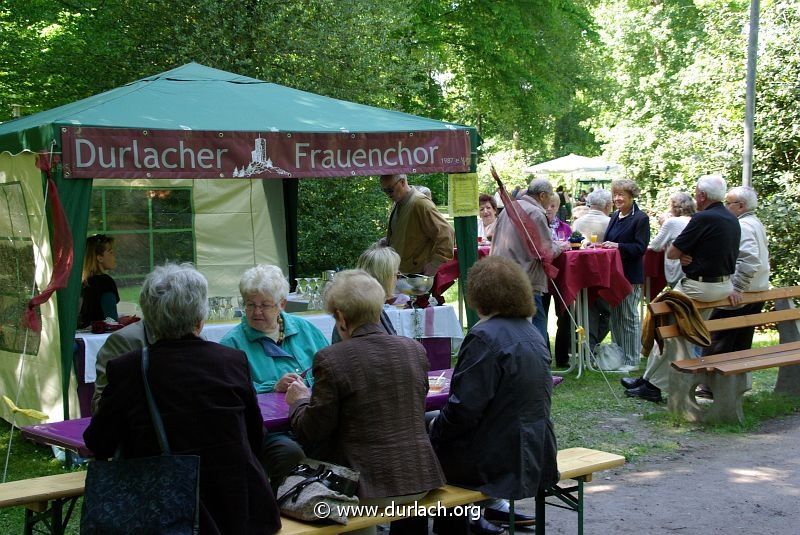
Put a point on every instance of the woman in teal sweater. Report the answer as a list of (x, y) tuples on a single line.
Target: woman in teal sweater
[(280, 349)]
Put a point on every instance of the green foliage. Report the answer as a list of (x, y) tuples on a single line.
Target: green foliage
[(340, 218)]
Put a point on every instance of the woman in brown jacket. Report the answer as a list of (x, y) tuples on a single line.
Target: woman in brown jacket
[(368, 401)]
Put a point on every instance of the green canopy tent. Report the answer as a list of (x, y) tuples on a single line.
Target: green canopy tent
[(216, 134)]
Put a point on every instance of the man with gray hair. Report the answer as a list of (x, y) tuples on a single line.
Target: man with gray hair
[(751, 275), (595, 220), (508, 242), (707, 248)]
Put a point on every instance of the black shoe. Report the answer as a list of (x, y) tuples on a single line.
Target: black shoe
[(631, 382), (499, 515), (484, 527), (645, 391)]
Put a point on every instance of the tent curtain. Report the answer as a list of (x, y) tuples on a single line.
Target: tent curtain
[(61, 241)]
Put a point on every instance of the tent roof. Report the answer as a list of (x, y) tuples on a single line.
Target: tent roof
[(573, 163), (196, 97)]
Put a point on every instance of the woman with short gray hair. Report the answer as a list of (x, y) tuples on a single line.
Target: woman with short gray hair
[(206, 401), (682, 208)]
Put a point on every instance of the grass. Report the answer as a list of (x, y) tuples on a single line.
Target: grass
[(590, 411)]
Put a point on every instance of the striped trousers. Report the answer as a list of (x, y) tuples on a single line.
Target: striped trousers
[(626, 327)]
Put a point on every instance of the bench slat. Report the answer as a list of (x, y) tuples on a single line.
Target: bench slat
[(725, 324), (572, 463), (41, 489), (735, 368), (711, 362), (660, 308), (448, 496)]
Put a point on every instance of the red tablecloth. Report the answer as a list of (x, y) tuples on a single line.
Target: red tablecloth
[(599, 270), (654, 270), (448, 272)]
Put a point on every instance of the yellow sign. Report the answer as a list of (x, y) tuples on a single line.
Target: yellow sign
[(463, 194)]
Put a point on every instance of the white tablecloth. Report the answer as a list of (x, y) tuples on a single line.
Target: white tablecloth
[(435, 322)]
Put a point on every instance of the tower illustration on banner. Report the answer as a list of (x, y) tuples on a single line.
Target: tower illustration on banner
[(260, 162)]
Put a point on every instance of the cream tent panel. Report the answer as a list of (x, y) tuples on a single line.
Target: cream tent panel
[(35, 380), (237, 223)]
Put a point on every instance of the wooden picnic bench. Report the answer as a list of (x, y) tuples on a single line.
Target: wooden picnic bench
[(49, 501), (44, 497), (726, 374)]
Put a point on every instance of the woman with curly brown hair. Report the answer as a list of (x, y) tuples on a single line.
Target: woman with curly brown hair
[(495, 434)]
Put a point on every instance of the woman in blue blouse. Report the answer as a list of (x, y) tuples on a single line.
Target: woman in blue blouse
[(629, 231)]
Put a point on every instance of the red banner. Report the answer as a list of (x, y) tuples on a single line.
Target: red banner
[(131, 153)]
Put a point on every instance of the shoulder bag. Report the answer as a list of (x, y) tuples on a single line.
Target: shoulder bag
[(315, 490), (144, 495)]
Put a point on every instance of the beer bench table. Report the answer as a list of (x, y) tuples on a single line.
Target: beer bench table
[(725, 373), (45, 497)]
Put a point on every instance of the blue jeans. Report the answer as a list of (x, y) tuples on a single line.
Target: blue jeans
[(539, 319)]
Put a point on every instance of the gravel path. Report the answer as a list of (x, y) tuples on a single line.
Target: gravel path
[(712, 484)]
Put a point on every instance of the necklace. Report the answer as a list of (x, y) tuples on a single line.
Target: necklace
[(280, 330)]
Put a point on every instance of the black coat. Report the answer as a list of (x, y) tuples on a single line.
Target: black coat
[(206, 399), (495, 434), (632, 233)]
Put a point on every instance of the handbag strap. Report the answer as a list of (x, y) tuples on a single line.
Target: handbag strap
[(155, 416)]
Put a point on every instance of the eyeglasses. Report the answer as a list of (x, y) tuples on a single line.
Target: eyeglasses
[(728, 203), (390, 189), (250, 307)]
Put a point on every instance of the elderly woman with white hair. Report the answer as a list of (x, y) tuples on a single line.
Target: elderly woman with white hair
[(280, 349), (206, 401), (629, 231), (682, 208)]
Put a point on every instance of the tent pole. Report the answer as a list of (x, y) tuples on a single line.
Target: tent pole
[(467, 243)]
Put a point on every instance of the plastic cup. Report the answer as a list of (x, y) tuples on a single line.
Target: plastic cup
[(437, 384)]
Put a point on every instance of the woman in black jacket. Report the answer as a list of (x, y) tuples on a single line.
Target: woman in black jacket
[(629, 231), (495, 434)]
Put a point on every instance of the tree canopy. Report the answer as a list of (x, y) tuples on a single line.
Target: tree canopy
[(657, 86)]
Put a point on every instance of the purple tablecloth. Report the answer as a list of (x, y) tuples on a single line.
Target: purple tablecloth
[(69, 433)]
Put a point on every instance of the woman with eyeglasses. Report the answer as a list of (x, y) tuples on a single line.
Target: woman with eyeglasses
[(99, 296), (280, 349)]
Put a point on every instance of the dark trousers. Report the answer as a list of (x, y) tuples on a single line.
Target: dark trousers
[(279, 454), (599, 318), (563, 331), (734, 339)]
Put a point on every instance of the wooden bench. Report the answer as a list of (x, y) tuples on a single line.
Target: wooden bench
[(575, 464), (44, 497), (725, 374)]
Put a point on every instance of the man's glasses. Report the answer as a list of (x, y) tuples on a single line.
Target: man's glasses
[(390, 189), (250, 307), (728, 203)]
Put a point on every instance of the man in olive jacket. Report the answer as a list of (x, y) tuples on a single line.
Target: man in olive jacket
[(417, 231)]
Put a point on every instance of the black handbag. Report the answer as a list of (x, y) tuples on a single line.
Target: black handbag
[(157, 495)]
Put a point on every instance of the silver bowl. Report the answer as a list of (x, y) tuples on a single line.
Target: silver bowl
[(414, 284)]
